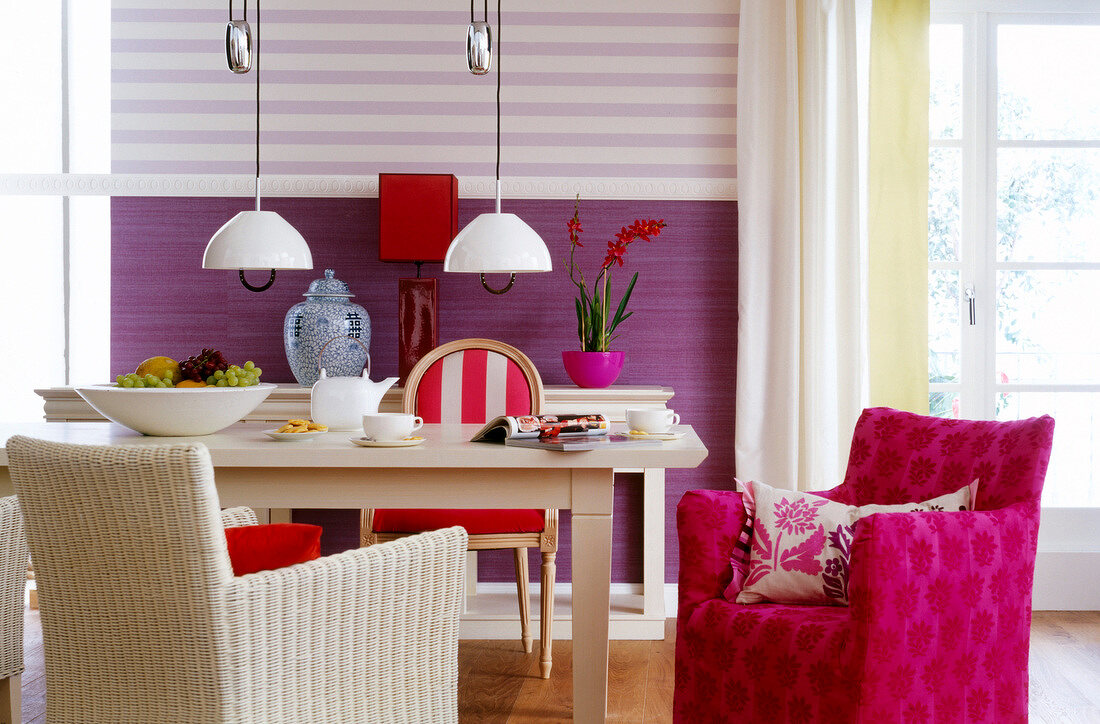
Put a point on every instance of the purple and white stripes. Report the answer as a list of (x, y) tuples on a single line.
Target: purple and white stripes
[(356, 87)]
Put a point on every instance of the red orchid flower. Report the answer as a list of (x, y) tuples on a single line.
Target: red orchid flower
[(615, 251), (574, 226)]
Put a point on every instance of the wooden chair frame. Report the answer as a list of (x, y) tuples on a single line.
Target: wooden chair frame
[(546, 541)]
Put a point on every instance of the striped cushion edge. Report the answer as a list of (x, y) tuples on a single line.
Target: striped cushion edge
[(739, 556)]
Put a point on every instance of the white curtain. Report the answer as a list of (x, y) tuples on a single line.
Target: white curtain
[(802, 261)]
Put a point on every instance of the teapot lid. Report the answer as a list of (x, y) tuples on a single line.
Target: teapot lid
[(330, 286)]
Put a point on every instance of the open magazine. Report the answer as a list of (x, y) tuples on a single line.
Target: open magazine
[(551, 432)]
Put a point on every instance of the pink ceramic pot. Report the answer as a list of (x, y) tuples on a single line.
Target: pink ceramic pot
[(592, 369)]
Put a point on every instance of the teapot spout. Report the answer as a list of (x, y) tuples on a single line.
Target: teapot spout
[(385, 384)]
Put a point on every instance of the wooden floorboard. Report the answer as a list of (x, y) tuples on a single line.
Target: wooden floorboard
[(500, 684)]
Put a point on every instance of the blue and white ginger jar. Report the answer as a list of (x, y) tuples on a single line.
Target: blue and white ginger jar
[(326, 315)]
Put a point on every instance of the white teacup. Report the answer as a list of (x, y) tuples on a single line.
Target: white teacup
[(390, 426), (649, 420)]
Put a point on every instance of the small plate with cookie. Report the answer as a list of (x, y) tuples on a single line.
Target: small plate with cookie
[(296, 431)]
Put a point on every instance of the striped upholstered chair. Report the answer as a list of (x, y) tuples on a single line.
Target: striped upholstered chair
[(473, 381)]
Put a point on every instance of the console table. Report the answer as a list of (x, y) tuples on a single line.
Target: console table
[(637, 611)]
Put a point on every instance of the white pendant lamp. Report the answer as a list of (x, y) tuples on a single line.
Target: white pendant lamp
[(496, 242), (254, 239)]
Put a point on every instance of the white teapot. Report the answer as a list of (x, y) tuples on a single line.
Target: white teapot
[(341, 402)]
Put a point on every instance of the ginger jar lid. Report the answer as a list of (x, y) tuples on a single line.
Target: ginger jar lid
[(330, 286)]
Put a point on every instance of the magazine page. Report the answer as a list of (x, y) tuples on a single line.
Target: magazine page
[(542, 427), (497, 430), (555, 426)]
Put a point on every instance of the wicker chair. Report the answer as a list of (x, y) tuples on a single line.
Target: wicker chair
[(143, 620), (504, 381), (13, 585)]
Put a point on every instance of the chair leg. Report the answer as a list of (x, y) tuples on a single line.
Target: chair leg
[(546, 614), (520, 555), (11, 698)]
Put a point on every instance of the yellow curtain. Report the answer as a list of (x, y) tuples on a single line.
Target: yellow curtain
[(898, 199)]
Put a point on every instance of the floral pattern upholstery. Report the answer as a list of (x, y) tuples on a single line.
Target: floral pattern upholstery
[(937, 629)]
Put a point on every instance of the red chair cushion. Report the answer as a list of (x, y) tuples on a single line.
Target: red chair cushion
[(255, 548), (475, 521)]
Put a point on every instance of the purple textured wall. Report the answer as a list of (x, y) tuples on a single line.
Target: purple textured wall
[(682, 334)]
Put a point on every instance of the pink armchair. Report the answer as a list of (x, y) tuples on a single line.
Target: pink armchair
[(940, 612)]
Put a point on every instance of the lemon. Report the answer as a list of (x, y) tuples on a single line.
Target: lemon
[(160, 367), (190, 383)]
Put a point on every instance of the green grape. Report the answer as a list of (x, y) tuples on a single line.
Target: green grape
[(168, 382), (258, 371), (118, 379), (218, 374), (127, 382), (139, 383), (231, 379), (211, 380), (222, 383), (249, 365)]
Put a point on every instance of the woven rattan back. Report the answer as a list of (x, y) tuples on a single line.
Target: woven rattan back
[(131, 563), (13, 584)]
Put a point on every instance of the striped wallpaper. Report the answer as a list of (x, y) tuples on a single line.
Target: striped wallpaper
[(356, 87)]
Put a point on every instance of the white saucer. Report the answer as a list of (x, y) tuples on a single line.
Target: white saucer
[(654, 435), (293, 436), (368, 442)]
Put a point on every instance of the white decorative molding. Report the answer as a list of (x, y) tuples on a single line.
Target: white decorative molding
[(358, 186)]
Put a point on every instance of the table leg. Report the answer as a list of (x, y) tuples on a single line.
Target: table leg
[(653, 554), (592, 493), (279, 515)]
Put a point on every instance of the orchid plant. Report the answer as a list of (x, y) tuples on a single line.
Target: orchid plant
[(595, 323)]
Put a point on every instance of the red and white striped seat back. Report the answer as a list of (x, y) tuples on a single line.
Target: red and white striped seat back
[(472, 386)]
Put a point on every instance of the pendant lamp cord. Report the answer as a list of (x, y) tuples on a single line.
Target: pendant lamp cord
[(500, 32), (256, 60), (486, 11), (245, 16), (257, 101), (500, 24)]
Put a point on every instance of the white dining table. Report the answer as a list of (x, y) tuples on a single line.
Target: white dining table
[(446, 471)]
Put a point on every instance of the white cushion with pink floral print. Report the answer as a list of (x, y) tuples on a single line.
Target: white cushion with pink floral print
[(801, 543)]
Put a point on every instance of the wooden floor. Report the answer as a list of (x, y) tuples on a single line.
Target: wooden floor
[(499, 683)]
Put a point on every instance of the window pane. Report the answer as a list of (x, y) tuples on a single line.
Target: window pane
[(945, 98), (943, 404), (944, 186), (30, 86), (1073, 478), (944, 336), (32, 282), (1048, 204), (1045, 81), (1047, 326)]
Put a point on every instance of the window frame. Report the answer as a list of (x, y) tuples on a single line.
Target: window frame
[(977, 263)]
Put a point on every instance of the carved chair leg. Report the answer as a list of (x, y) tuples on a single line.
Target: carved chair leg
[(520, 555), (367, 536), (546, 614)]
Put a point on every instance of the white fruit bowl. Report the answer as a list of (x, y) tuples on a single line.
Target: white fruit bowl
[(175, 411)]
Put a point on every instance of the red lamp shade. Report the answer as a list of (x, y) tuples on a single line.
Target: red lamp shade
[(417, 215)]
